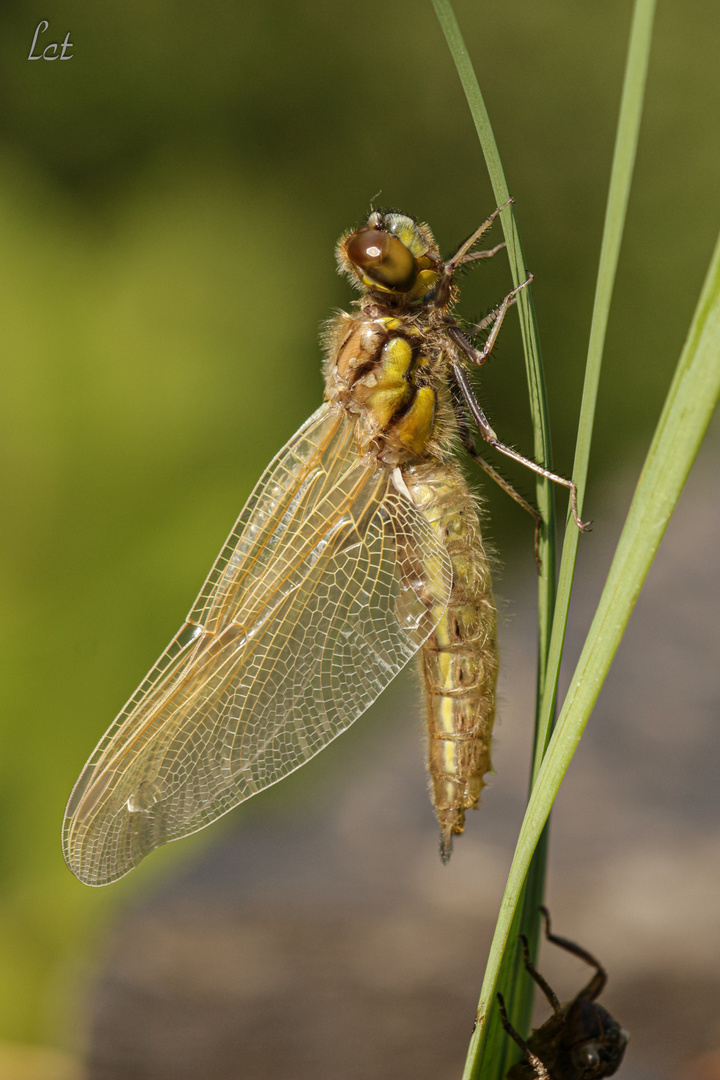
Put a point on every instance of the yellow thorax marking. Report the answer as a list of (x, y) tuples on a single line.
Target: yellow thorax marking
[(392, 390), (415, 427)]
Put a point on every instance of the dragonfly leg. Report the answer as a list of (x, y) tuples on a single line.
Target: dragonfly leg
[(469, 445), (461, 256), (494, 319), (597, 984), (552, 998), (486, 254), (491, 438), (540, 1070)]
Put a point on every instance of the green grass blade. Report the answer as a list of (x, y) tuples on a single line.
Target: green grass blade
[(688, 408), (618, 196)]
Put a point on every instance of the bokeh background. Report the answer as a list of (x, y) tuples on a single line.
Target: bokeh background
[(169, 202)]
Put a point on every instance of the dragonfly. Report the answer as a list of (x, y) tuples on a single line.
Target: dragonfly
[(359, 548), (581, 1040)]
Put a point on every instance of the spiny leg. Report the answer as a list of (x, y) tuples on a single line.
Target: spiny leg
[(495, 318), (469, 445), (486, 254), (461, 256), (478, 357), (597, 984), (540, 1070), (490, 437), (534, 974), (507, 487), (490, 318)]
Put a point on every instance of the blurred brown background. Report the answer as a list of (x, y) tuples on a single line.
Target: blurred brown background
[(169, 202)]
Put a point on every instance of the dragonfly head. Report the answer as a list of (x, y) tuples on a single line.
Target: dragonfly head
[(393, 255)]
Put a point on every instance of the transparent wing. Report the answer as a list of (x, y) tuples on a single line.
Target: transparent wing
[(330, 581)]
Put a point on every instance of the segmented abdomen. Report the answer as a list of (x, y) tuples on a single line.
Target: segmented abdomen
[(459, 660)]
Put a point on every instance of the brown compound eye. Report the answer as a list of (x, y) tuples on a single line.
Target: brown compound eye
[(383, 259)]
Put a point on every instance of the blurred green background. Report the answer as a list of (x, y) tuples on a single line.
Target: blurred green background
[(169, 202)]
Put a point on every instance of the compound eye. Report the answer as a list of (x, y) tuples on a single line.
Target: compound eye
[(383, 259)]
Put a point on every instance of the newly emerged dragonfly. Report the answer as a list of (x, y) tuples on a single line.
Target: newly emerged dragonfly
[(359, 546), (581, 1040)]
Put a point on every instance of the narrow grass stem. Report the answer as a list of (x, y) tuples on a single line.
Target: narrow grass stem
[(618, 196)]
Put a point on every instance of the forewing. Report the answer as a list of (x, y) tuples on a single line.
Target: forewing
[(330, 581)]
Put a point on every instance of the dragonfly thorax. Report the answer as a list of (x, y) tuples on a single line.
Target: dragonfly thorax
[(382, 370)]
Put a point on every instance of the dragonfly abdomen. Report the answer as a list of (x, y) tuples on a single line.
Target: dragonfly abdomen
[(459, 659)]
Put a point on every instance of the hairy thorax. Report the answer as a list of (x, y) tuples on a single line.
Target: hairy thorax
[(387, 368)]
